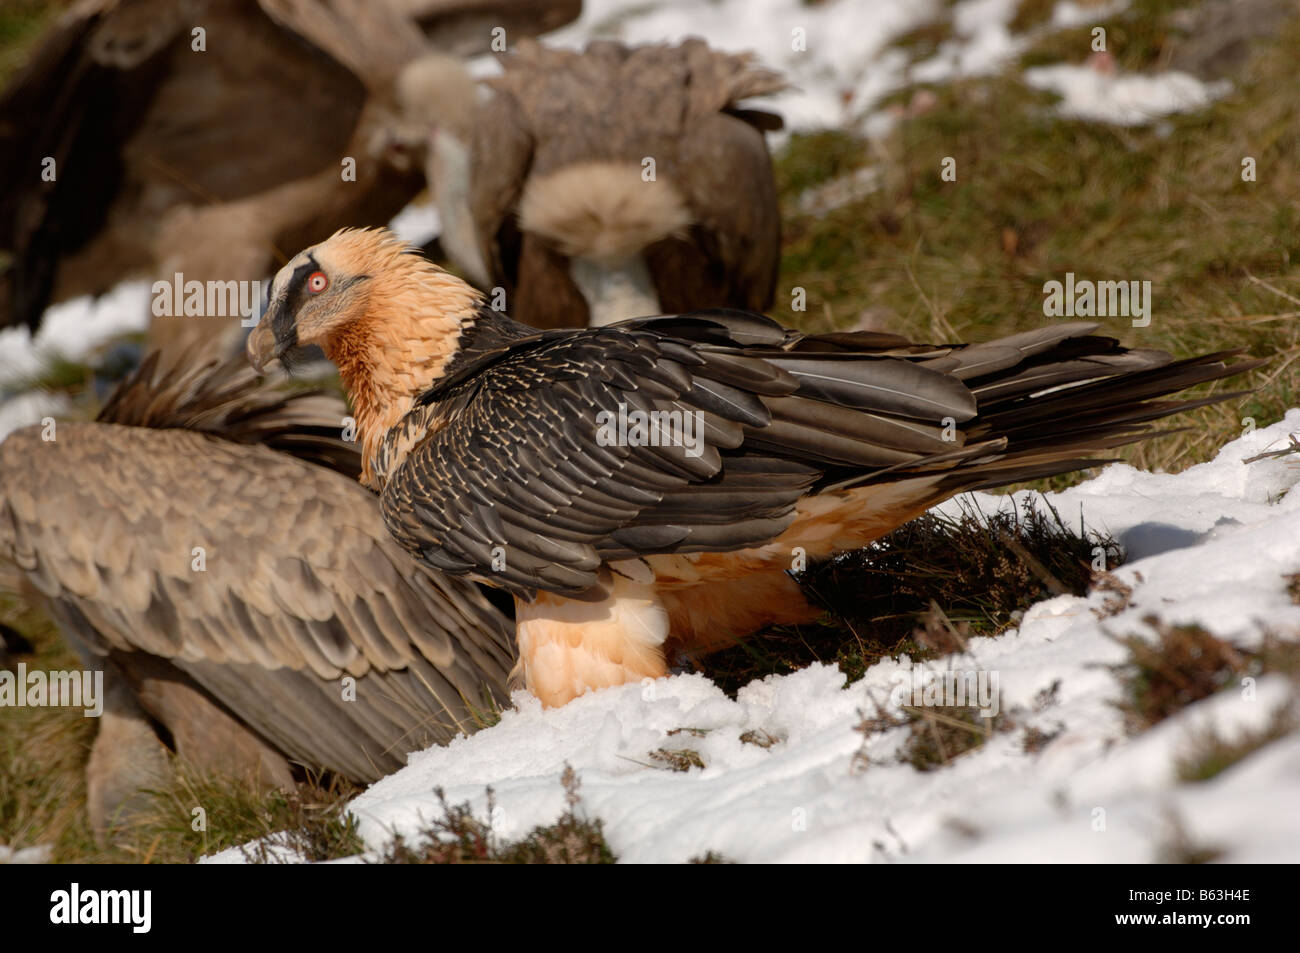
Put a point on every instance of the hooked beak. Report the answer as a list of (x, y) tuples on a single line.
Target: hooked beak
[(262, 347)]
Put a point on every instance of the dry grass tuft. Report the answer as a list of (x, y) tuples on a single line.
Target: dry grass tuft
[(461, 838), (1210, 753), (1293, 586), (677, 759), (1185, 664), (1179, 846), (940, 735), (925, 590)]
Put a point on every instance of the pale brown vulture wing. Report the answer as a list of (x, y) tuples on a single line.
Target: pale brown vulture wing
[(508, 475), (731, 189), (736, 253), (300, 587)]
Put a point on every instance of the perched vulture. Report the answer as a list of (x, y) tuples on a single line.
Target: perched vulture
[(206, 542), (208, 137), (528, 459), (605, 184)]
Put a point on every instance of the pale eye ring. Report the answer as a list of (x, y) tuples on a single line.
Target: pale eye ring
[(317, 282)]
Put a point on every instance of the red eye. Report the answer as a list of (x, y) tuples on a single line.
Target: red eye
[(317, 282)]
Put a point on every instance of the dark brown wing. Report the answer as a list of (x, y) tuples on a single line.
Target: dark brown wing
[(510, 476), (136, 121), (300, 585), (373, 40), (79, 98)]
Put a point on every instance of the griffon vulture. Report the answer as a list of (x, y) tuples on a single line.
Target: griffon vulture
[(605, 184), (208, 137), (206, 542), (529, 460)]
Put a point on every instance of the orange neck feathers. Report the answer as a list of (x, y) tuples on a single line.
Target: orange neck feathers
[(408, 329)]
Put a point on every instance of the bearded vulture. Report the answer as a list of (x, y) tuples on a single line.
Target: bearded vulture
[(601, 185), (645, 487), (211, 138), (206, 543)]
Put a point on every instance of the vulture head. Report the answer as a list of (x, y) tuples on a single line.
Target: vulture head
[(431, 111), (435, 93), (388, 318)]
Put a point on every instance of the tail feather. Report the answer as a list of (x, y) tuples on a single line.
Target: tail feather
[(1036, 404), (225, 397)]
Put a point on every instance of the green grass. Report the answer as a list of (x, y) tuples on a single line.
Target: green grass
[(43, 752), (1038, 196), (1031, 14), (21, 22)]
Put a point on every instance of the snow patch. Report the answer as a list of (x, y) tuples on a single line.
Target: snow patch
[(418, 223), (74, 329), (31, 407), (984, 42), (1125, 99)]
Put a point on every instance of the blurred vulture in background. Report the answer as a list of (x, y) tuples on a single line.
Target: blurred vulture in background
[(148, 137), (206, 543), (612, 183)]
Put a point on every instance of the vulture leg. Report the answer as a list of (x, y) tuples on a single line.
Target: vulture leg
[(567, 646), (449, 171), (126, 761)]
